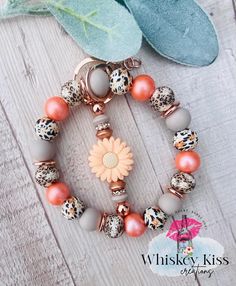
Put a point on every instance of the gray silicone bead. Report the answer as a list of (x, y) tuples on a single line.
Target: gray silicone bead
[(90, 219), (100, 119), (42, 150), (99, 82), (178, 120), (169, 203), (120, 198)]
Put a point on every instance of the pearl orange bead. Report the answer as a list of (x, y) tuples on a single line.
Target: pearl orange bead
[(142, 88), (134, 225), (57, 193), (56, 108), (187, 161)]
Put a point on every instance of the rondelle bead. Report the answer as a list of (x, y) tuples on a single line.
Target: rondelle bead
[(134, 225), (46, 128), (142, 88), (123, 208), (169, 203), (187, 161), (42, 150), (185, 140), (57, 193), (120, 81), (162, 98), (113, 226), (90, 219), (101, 122), (56, 108), (117, 186), (46, 175), (73, 208), (178, 120), (154, 218), (99, 82), (183, 182), (72, 93), (119, 196), (105, 133)]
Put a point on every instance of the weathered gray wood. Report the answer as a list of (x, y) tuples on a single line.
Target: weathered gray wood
[(36, 57)]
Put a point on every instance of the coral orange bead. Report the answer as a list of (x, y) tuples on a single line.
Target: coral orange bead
[(57, 193), (187, 161), (142, 88), (134, 225), (56, 108)]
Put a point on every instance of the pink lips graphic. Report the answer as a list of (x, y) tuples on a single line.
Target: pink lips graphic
[(193, 225)]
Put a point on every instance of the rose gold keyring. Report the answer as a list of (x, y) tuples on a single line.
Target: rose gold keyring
[(90, 98)]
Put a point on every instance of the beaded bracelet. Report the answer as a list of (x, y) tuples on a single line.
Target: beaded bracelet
[(95, 83)]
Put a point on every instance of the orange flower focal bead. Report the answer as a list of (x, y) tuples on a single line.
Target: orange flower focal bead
[(142, 88)]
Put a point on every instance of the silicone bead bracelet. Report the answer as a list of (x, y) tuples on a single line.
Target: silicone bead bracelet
[(95, 83)]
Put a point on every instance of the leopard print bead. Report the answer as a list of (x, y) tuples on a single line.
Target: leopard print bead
[(120, 81), (73, 208), (162, 99), (183, 182), (46, 128), (185, 140), (46, 175), (154, 218), (114, 226), (72, 93)]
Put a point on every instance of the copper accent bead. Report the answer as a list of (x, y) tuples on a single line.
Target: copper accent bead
[(98, 108), (106, 133), (102, 223), (117, 186), (123, 208), (169, 111), (176, 193)]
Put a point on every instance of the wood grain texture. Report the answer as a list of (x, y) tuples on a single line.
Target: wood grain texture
[(39, 246)]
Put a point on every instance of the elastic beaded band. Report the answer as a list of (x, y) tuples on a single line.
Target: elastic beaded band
[(95, 83)]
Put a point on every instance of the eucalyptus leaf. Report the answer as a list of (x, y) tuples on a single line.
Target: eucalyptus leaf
[(177, 29), (103, 28), (13, 8)]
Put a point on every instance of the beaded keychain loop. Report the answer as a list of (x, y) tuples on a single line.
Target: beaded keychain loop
[(95, 83)]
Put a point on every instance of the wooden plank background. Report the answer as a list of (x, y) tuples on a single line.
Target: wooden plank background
[(38, 246)]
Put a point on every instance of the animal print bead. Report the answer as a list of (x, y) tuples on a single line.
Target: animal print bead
[(185, 140), (73, 208), (120, 81), (72, 93), (183, 182), (45, 175), (154, 218), (46, 128), (114, 226), (162, 99)]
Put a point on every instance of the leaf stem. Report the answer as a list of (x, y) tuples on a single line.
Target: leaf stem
[(85, 19)]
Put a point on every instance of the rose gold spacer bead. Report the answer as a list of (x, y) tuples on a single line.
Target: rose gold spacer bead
[(102, 223), (98, 108), (47, 163), (123, 208), (176, 193), (117, 186), (105, 133), (168, 112)]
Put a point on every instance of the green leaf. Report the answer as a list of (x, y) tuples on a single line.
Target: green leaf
[(177, 29), (103, 28), (13, 8)]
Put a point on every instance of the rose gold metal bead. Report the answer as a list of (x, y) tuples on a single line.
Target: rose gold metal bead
[(117, 186), (168, 112), (105, 133), (47, 163), (102, 223), (123, 208), (98, 108), (176, 193)]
